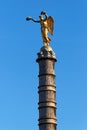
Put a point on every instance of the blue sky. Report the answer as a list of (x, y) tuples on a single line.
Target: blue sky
[(19, 43)]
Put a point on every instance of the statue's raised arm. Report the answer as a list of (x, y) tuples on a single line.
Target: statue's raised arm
[(47, 26)]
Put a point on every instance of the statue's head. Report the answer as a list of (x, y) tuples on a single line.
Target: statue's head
[(42, 16), (43, 12)]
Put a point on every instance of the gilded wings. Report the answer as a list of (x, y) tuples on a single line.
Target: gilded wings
[(50, 23)]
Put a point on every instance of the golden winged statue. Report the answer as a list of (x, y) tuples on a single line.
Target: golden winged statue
[(47, 26)]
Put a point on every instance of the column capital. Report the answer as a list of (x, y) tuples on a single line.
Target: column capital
[(46, 52)]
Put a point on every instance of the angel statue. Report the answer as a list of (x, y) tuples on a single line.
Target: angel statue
[(47, 26)]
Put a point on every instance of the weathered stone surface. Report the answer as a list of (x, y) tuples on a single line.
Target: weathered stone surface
[(47, 96), (45, 65), (46, 80), (50, 126), (47, 112)]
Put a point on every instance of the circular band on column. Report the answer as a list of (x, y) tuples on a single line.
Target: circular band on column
[(47, 120), (46, 74)]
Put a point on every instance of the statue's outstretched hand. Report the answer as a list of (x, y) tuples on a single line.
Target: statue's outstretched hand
[(28, 18)]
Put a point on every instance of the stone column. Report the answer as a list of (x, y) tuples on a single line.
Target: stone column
[(47, 89)]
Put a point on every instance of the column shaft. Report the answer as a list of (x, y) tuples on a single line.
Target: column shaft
[(47, 90)]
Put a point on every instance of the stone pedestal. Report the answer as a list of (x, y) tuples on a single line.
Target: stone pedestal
[(47, 89)]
